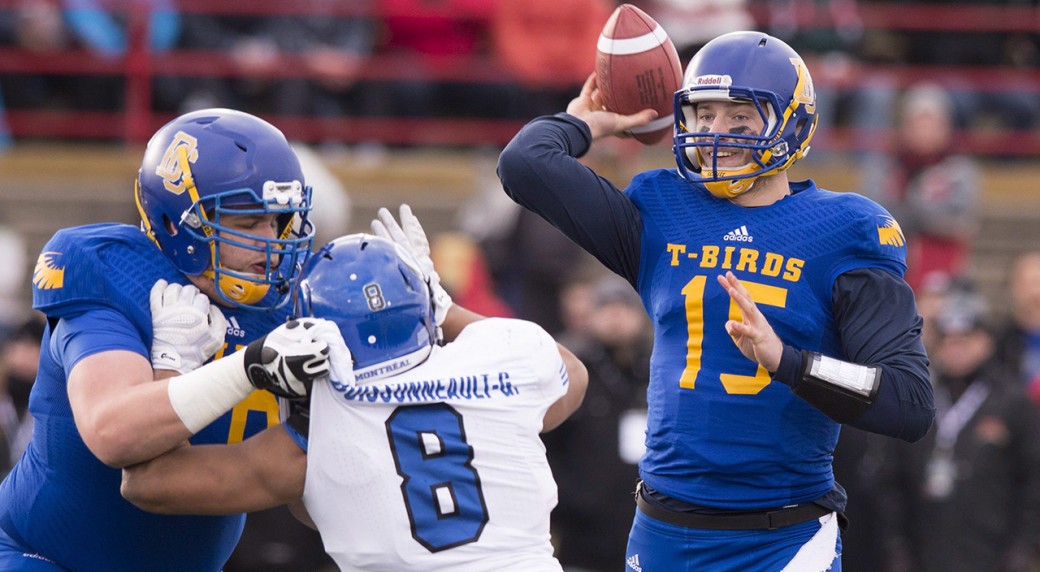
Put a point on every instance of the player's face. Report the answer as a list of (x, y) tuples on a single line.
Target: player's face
[(728, 117), (240, 259), (263, 227)]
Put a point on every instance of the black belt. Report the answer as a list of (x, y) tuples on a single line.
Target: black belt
[(767, 519)]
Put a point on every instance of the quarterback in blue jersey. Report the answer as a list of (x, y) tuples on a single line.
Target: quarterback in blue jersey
[(224, 206), (779, 309)]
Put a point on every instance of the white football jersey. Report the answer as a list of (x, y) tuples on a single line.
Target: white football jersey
[(441, 467)]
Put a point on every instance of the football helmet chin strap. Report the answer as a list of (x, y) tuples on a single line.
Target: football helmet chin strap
[(237, 289)]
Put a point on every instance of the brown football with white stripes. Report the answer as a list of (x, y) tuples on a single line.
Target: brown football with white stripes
[(637, 68)]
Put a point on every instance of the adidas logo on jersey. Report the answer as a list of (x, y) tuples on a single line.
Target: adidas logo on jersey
[(739, 235), (234, 329), (633, 563)]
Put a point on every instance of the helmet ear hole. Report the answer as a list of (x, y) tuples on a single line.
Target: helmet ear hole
[(171, 228), (799, 127)]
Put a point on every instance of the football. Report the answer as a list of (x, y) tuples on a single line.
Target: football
[(637, 68)]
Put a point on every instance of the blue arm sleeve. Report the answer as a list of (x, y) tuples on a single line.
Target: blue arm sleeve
[(887, 335), (94, 331), (540, 171)]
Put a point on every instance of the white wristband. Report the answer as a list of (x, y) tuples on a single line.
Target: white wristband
[(861, 380), (201, 396)]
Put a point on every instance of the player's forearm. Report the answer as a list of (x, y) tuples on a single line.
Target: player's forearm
[(149, 419), (903, 408), (259, 473), (143, 425)]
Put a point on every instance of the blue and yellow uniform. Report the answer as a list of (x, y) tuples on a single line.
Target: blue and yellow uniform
[(762, 445), (61, 506), (723, 434)]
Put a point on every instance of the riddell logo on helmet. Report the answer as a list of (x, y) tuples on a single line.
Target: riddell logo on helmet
[(719, 80)]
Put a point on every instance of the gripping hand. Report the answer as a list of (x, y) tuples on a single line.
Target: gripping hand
[(410, 236), (186, 329), (288, 359)]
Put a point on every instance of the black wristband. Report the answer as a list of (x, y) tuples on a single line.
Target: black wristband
[(253, 361)]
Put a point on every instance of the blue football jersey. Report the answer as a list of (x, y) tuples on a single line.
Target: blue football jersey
[(719, 427), (60, 501)]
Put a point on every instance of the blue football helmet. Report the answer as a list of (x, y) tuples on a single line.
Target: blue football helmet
[(374, 291), (749, 67), (215, 162)]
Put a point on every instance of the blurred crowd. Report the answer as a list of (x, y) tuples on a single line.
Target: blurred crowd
[(491, 59), (966, 498)]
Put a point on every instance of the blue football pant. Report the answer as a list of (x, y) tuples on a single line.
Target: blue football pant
[(811, 546)]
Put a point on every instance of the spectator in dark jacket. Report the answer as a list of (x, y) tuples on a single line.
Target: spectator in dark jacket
[(967, 497)]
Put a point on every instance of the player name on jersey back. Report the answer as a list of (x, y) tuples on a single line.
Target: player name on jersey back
[(480, 386)]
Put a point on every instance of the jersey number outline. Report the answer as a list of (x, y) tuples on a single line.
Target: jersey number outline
[(441, 488), (733, 383)]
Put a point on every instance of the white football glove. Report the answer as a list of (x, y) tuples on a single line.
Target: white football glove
[(288, 359), (410, 236), (341, 364), (186, 329)]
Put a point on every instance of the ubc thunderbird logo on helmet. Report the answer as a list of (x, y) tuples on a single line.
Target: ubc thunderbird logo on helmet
[(804, 93), (173, 169)]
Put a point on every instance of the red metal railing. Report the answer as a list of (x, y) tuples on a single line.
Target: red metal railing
[(138, 119)]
